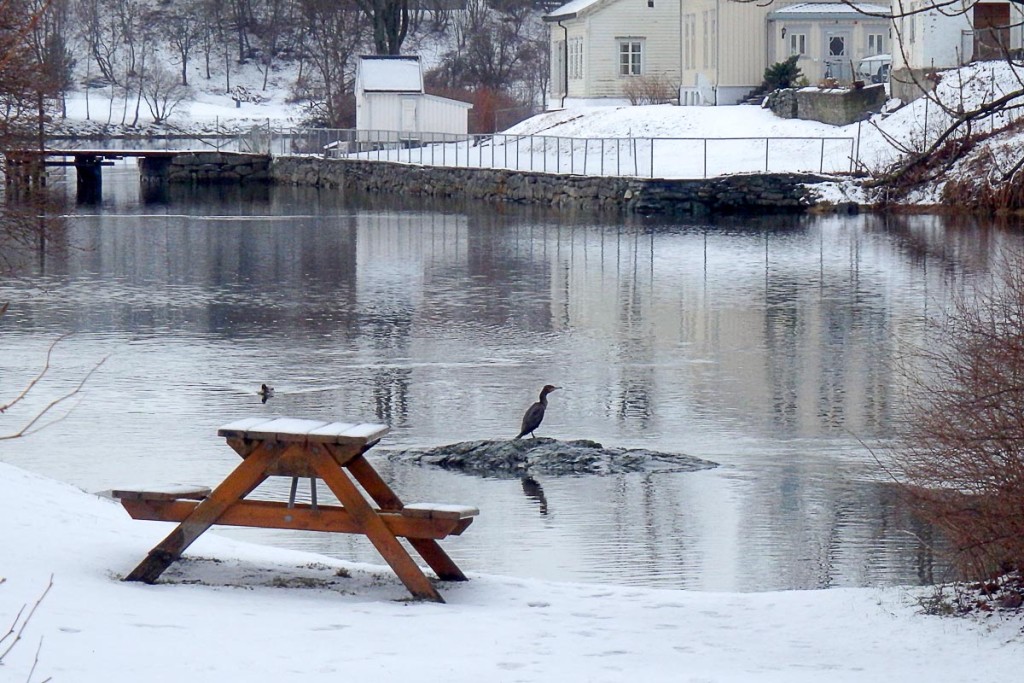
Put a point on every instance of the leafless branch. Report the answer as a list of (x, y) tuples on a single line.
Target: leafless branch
[(42, 373), (27, 429), (17, 630)]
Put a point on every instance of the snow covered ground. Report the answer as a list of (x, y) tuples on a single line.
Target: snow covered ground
[(238, 612)]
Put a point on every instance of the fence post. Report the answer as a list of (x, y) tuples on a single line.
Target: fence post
[(821, 166), (857, 153), (705, 157), (652, 141), (766, 141)]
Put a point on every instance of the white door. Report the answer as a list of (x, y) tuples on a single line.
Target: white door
[(409, 114), (838, 54)]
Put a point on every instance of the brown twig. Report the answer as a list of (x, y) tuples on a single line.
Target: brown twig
[(27, 429), (16, 630), (42, 373)]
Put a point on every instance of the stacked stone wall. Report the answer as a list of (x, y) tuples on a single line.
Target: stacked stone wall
[(838, 107), (760, 193), (218, 167)]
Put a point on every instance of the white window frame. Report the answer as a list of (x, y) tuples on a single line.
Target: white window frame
[(797, 44), (630, 57), (690, 44), (876, 44), (575, 59)]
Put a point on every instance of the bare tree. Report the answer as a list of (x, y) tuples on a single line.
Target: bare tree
[(182, 27), (102, 36), (162, 93), (960, 451), (389, 20), (332, 35)]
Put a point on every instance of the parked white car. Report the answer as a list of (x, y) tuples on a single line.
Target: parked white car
[(875, 69)]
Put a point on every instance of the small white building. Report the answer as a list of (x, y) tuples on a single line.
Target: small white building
[(390, 97), (831, 38)]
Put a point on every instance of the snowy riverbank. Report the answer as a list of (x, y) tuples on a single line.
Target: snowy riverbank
[(239, 612)]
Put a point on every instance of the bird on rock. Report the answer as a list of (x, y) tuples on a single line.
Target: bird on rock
[(535, 413)]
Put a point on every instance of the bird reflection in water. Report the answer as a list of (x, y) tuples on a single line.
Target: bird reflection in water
[(534, 491)]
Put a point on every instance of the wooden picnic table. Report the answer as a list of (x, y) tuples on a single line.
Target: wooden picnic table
[(298, 448)]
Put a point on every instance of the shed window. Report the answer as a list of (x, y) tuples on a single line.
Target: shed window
[(876, 45), (631, 52)]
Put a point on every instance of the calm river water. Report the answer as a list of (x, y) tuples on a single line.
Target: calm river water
[(761, 344)]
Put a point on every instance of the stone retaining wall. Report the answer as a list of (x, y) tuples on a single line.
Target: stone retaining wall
[(763, 193), (838, 107), (218, 167)]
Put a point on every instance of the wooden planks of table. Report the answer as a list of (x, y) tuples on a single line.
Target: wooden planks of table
[(332, 452)]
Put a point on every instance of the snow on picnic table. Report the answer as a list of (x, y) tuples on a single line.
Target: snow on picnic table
[(233, 611)]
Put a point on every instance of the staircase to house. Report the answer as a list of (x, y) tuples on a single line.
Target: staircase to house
[(756, 96)]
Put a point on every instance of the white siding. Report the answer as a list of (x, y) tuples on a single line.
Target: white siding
[(730, 48), (412, 113), (657, 27)]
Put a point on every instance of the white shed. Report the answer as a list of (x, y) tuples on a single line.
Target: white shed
[(390, 97)]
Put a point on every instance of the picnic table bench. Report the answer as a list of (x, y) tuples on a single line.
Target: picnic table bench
[(299, 448)]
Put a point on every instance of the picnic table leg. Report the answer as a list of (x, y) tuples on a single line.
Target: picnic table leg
[(429, 549), (376, 530), (239, 483)]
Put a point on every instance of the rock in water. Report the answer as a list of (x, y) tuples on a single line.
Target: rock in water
[(518, 457)]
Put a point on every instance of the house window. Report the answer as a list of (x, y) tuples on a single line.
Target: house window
[(576, 58), (631, 51), (690, 44), (836, 46), (875, 44), (797, 44), (709, 21)]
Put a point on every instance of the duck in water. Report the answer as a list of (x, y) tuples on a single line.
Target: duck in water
[(265, 392), (535, 413)]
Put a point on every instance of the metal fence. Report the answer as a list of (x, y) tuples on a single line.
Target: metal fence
[(632, 156)]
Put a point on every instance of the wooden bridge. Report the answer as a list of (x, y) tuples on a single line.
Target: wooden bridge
[(26, 169)]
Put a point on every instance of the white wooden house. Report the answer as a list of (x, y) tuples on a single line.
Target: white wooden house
[(390, 97), (599, 48), (714, 51), (932, 39)]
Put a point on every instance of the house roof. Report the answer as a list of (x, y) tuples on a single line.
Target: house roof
[(570, 10), (830, 10), (382, 73), (804, 10)]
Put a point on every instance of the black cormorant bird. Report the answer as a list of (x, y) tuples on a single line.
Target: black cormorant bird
[(266, 392), (535, 413)]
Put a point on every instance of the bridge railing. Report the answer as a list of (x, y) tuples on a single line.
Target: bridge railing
[(690, 157)]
